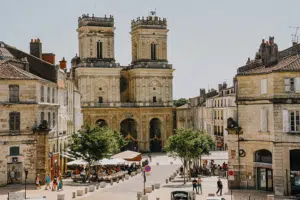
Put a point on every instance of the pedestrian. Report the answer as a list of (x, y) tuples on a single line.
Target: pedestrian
[(60, 184), (37, 182), (195, 185), (47, 182), (149, 155), (199, 184), (220, 187), (54, 183)]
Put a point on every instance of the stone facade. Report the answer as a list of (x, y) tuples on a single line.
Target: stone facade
[(136, 99), (264, 150)]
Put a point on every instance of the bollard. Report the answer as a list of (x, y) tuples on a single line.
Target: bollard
[(91, 188), (157, 185), (60, 196), (79, 192), (126, 176), (118, 180), (139, 194), (157, 198), (148, 189), (111, 182), (86, 190), (171, 163), (170, 179), (122, 178), (73, 194), (102, 184), (97, 186), (167, 181), (153, 187), (144, 197)]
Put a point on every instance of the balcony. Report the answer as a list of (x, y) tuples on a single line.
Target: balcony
[(127, 104)]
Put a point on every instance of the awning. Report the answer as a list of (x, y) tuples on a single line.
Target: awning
[(77, 162), (66, 155), (114, 161), (129, 156)]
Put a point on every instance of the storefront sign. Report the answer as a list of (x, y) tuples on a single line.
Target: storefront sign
[(262, 165)]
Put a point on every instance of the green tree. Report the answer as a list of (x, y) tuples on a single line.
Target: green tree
[(188, 145), (180, 102), (94, 143)]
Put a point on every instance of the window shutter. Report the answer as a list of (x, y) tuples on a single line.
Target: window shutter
[(297, 84), (285, 120), (263, 86), (18, 120), (287, 84), (264, 120), (11, 121)]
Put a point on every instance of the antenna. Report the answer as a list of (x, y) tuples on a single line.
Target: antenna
[(295, 36)]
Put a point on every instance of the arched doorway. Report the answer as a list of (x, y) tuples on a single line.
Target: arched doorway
[(295, 171), (155, 135), (263, 165), (129, 132), (101, 122)]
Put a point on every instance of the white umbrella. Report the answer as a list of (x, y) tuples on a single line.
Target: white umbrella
[(77, 162)]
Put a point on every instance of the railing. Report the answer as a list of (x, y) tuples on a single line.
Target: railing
[(127, 104)]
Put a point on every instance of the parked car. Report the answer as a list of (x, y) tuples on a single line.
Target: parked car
[(215, 198), (183, 195)]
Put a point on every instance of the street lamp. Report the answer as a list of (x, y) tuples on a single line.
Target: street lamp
[(26, 173), (239, 160)]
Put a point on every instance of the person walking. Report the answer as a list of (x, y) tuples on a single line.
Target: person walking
[(37, 182), (60, 184), (54, 183), (195, 185), (199, 184), (149, 155), (220, 187), (48, 182)]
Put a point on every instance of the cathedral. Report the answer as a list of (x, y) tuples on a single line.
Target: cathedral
[(135, 99)]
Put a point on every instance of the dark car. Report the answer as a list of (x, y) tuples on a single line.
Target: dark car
[(183, 195)]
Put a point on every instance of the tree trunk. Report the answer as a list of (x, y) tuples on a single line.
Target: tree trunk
[(184, 166)]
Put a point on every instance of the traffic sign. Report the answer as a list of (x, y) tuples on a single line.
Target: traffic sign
[(230, 173), (147, 168), (231, 178)]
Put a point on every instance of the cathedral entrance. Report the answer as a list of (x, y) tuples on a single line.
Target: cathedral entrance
[(101, 122), (129, 132), (155, 135)]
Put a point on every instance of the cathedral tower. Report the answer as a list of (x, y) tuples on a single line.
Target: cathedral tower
[(96, 37), (149, 39)]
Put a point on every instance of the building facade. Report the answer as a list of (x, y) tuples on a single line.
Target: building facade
[(27, 102), (265, 143), (136, 99)]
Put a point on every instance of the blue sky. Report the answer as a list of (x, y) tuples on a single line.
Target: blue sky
[(208, 39)]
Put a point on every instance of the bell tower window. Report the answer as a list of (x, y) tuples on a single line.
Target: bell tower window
[(99, 50), (100, 100), (153, 51), (154, 99)]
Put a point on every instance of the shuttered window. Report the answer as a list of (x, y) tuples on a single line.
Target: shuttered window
[(49, 119), (53, 118), (42, 93), (13, 93), (297, 84), (53, 94), (99, 50), (14, 121), (14, 151), (294, 121), (263, 86), (48, 94), (263, 120), (289, 85), (42, 117), (285, 120), (153, 51)]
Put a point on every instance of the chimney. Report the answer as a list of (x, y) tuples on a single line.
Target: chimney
[(202, 92), (49, 57), (63, 64), (36, 48), (224, 85), (294, 43)]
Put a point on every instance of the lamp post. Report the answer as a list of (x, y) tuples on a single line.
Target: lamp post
[(26, 173), (239, 160)]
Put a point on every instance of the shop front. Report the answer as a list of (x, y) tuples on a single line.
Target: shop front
[(295, 172), (263, 170)]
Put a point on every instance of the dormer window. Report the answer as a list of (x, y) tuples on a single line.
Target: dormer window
[(153, 51), (99, 50)]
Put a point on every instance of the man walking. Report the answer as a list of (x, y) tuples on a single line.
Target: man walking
[(195, 185), (220, 187)]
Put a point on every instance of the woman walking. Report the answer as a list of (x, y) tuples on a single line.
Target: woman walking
[(37, 182), (199, 184), (60, 184), (54, 183)]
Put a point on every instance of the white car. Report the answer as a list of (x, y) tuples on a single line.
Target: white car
[(215, 198), (183, 195)]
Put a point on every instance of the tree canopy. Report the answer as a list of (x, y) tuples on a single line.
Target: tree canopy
[(180, 102), (189, 144), (94, 143)]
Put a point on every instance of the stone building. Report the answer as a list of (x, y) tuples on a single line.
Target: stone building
[(27, 104), (264, 145), (136, 99), (218, 109)]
